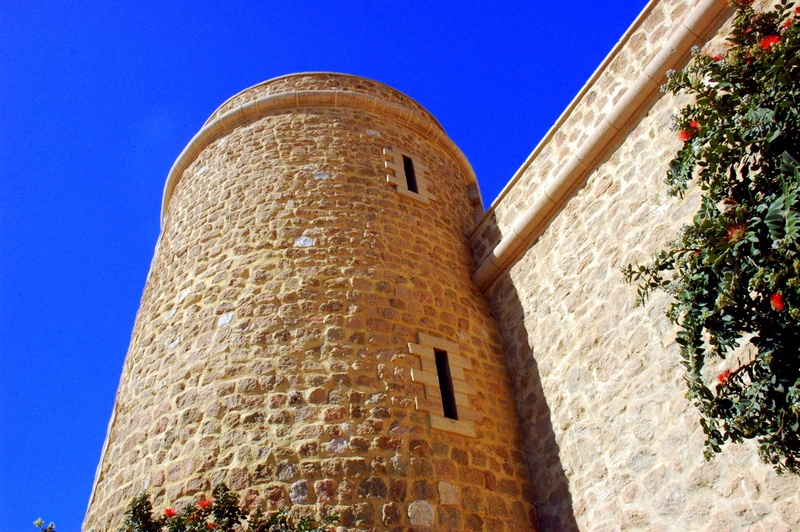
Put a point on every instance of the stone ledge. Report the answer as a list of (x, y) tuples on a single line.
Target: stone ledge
[(465, 428), (556, 191), (310, 98), (438, 343)]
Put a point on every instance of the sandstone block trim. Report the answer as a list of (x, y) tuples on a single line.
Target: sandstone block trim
[(415, 121), (555, 192), (319, 81), (396, 175), (427, 375)]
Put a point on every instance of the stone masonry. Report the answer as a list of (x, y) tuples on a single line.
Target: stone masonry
[(298, 292), (612, 441), (327, 292)]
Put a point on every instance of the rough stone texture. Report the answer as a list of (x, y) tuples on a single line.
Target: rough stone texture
[(270, 350), (448, 494), (612, 442), (420, 513), (642, 43), (271, 347), (321, 81)]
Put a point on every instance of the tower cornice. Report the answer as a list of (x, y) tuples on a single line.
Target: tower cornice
[(419, 120)]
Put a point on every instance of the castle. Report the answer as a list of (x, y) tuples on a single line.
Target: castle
[(333, 322)]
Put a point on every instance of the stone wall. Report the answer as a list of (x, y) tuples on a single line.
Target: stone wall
[(271, 349), (285, 338), (612, 441), (642, 43)]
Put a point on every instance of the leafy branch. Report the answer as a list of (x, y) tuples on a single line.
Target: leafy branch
[(734, 272), (221, 513)]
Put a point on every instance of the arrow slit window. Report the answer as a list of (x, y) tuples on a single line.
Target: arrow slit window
[(444, 390), (445, 384), (408, 176), (411, 176)]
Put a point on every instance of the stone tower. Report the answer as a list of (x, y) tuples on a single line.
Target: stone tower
[(310, 333)]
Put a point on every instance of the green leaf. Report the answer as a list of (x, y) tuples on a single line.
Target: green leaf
[(775, 219)]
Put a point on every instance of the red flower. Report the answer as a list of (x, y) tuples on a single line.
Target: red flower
[(212, 526), (777, 302), (205, 503), (797, 10), (170, 512), (717, 57), (736, 232), (786, 23), (690, 131), (724, 376), (768, 41)]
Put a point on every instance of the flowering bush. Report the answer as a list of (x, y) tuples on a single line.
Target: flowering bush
[(221, 513), (734, 273)]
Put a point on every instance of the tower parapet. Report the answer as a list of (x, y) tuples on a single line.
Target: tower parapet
[(309, 332)]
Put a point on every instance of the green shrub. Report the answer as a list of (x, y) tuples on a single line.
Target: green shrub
[(734, 272), (221, 513)]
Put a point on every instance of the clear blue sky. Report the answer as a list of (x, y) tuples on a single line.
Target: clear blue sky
[(97, 99)]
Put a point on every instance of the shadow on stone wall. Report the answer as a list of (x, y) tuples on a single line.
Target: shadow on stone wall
[(550, 483), (551, 493)]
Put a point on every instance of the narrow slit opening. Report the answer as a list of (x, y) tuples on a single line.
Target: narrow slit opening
[(411, 176), (446, 384)]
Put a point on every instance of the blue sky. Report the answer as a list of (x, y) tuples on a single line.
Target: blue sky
[(97, 99)]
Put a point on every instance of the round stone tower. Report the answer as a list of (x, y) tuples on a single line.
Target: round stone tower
[(310, 333)]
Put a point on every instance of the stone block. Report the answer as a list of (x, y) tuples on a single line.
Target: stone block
[(420, 513), (448, 493)]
